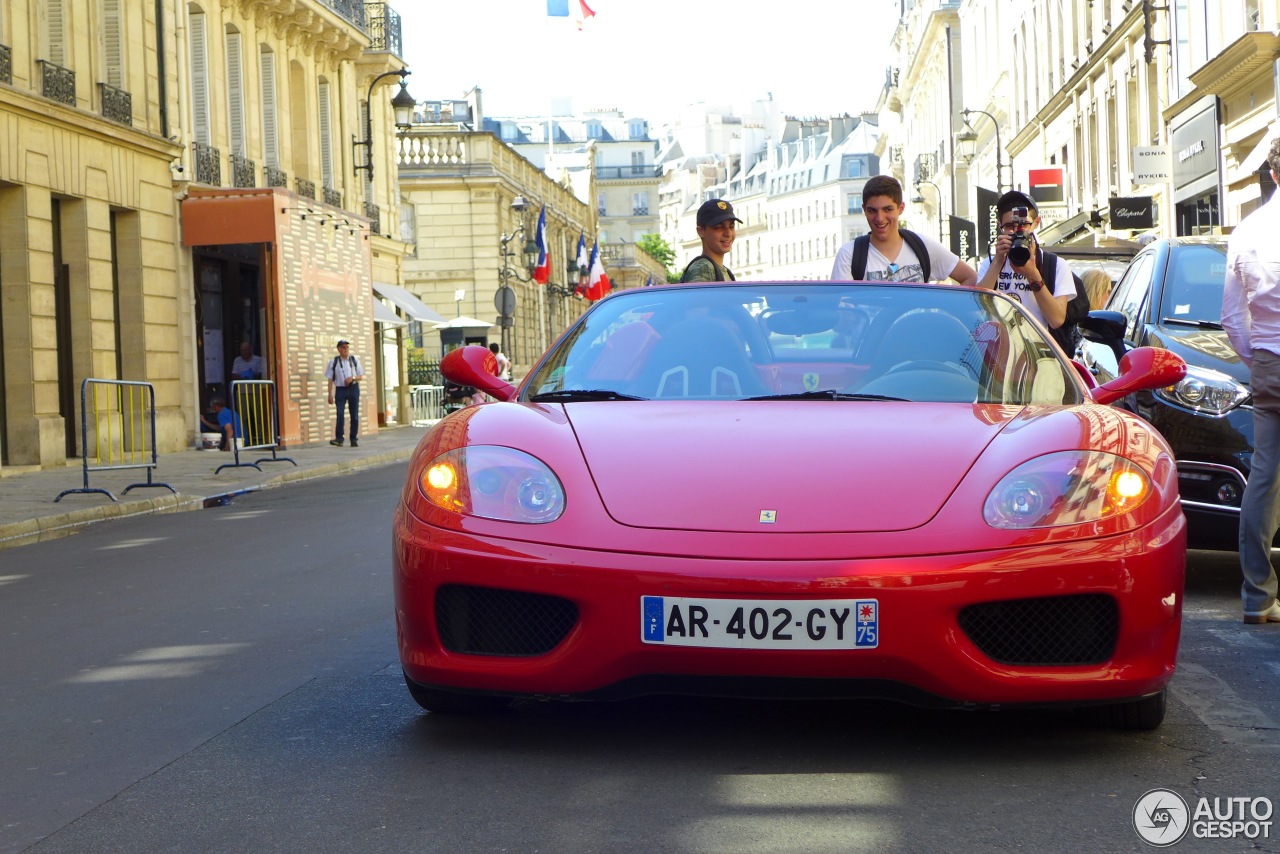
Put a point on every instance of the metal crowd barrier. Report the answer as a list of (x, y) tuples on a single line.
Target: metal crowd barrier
[(124, 431), (255, 402), (426, 403)]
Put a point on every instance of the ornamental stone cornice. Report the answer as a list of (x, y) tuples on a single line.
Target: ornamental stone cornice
[(1238, 63)]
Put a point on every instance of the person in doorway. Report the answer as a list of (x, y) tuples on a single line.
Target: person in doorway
[(717, 229), (246, 366), (228, 423), (344, 374), (890, 253), (1251, 318), (504, 364)]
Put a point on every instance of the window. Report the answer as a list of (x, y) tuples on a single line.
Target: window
[(595, 131), (326, 135), (235, 94), (640, 204), (600, 203), (639, 129), (637, 163), (54, 33), (112, 45), (270, 132), (199, 79)]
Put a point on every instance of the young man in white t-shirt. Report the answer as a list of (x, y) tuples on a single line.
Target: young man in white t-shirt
[(889, 257), (1018, 215)]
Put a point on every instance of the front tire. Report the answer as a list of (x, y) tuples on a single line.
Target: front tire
[(449, 703), (1144, 714)]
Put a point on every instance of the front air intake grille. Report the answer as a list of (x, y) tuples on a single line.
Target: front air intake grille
[(1055, 630), (485, 621)]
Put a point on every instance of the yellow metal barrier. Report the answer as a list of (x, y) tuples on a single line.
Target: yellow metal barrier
[(254, 402), (123, 414)]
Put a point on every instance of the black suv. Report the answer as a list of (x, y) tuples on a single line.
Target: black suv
[(1171, 296)]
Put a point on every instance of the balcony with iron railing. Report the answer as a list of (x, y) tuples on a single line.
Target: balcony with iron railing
[(374, 214), (57, 83), (351, 10), (306, 189), (619, 173), (273, 177), (243, 172), (332, 197), (384, 28), (6, 64), (117, 104), (208, 164)]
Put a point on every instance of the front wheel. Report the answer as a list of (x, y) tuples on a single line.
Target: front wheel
[(1146, 713), (449, 703)]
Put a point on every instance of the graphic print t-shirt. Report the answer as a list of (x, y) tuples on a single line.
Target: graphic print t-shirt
[(905, 268)]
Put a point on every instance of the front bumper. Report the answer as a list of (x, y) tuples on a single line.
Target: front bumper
[(928, 645)]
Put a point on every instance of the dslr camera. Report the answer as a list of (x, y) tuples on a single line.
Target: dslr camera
[(1020, 249)]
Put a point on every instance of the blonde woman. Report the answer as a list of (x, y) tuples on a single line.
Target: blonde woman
[(1097, 284)]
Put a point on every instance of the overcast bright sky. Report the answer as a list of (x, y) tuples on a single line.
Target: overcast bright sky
[(650, 57)]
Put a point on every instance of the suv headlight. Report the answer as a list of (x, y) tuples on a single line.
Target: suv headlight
[(1203, 390)]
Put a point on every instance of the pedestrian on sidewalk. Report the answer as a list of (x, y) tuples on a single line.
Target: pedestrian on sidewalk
[(1251, 318), (344, 374)]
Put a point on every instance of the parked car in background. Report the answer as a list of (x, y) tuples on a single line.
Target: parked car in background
[(826, 489), (1171, 296)]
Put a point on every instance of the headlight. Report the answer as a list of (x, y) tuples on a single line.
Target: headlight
[(1205, 391), (494, 483), (1066, 488)]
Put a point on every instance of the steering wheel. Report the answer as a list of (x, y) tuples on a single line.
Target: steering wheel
[(931, 365)]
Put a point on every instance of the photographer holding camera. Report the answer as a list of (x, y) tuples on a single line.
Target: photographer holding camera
[(1016, 267)]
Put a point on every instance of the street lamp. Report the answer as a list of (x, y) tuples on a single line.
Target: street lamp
[(508, 272), (570, 273), (967, 141), (403, 104), (919, 200)]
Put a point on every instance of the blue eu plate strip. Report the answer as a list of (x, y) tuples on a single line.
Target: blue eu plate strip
[(653, 628)]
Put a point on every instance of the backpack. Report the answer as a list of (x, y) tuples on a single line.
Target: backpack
[(1068, 334), (714, 265), (862, 247)]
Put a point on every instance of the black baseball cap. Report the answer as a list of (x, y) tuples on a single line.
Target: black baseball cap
[(1016, 199), (342, 342), (715, 211)]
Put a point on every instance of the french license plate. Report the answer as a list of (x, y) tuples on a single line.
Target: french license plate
[(760, 623)]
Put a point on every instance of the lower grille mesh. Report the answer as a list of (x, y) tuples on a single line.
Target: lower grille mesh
[(487, 621), (1057, 630)]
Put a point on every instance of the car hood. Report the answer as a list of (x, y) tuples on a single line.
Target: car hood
[(781, 466), (1202, 348)]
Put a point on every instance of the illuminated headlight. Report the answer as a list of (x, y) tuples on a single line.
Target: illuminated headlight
[(1206, 391), (494, 483), (1066, 488)]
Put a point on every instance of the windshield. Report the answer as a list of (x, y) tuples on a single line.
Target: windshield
[(825, 340), (1193, 284)]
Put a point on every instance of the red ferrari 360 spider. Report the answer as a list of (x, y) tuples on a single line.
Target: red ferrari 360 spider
[(806, 488)]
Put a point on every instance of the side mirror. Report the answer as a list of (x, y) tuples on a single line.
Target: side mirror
[(1106, 328), (478, 367), (1142, 369)]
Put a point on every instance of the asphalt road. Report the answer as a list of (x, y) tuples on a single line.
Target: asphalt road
[(227, 681)]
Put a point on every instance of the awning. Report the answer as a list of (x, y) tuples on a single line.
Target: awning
[(415, 308), (1257, 159), (383, 314)]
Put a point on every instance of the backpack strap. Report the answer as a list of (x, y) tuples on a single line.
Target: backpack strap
[(861, 248), (921, 251), (714, 266), (1047, 264)]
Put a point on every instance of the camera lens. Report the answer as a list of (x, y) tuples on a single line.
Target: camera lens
[(1019, 252)]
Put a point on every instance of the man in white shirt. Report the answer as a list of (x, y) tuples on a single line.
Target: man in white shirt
[(1251, 317), (1019, 217), (246, 366), (890, 257), (344, 374)]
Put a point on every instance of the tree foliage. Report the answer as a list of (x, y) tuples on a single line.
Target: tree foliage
[(659, 250)]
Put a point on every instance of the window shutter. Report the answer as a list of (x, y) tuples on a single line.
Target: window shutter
[(55, 32), (235, 94), (199, 79), (112, 44), (368, 175), (326, 143), (270, 140)]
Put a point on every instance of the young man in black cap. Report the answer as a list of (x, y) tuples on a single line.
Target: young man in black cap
[(717, 228), (1014, 267)]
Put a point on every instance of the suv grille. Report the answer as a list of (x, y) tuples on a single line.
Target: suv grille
[(1057, 630), (485, 621)]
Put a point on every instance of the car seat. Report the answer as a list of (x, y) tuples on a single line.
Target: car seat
[(700, 358)]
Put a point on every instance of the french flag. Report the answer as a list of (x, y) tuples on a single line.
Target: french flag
[(542, 272), (585, 12), (583, 269), (598, 284)]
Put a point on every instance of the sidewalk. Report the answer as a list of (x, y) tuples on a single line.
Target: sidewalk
[(28, 513)]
